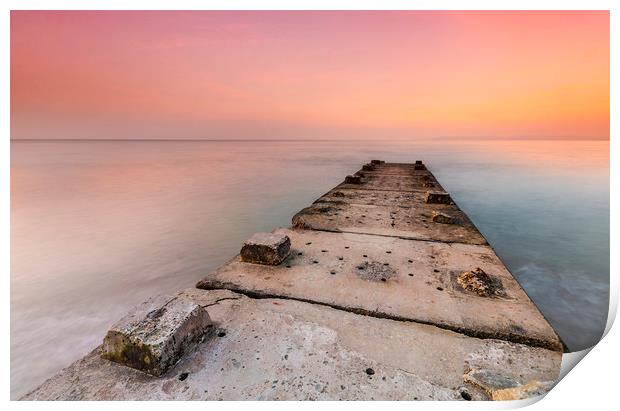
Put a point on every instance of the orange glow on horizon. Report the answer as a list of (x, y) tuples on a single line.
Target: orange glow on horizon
[(407, 74)]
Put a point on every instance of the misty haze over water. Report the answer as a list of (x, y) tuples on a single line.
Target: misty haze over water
[(99, 226)]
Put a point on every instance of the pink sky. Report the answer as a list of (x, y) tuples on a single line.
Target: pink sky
[(317, 75)]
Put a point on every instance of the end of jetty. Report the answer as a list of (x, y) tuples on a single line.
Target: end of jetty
[(381, 289)]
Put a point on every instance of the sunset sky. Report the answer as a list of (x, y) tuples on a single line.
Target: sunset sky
[(310, 75)]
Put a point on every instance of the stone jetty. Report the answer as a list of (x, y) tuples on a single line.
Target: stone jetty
[(382, 289)]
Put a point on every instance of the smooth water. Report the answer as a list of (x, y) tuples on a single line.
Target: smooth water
[(98, 226)]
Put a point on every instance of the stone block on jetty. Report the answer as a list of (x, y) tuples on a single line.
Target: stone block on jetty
[(442, 218), (154, 336), (368, 167), (266, 248), (481, 283), (437, 197), (354, 179), (500, 387)]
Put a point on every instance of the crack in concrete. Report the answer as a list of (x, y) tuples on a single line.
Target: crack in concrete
[(480, 334), (218, 301), (380, 189), (409, 238)]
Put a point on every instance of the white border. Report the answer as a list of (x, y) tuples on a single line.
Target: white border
[(593, 384)]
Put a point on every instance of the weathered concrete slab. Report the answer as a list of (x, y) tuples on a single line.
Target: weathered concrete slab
[(388, 182), (394, 177), (272, 349), (411, 221), (156, 334), (404, 199), (395, 167), (394, 278), (389, 169), (387, 172)]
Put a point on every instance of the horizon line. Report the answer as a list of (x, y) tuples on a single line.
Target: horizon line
[(318, 139)]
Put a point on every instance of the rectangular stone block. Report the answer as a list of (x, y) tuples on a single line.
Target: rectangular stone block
[(368, 167), (500, 387), (356, 179), (266, 248), (442, 218), (154, 336), (436, 197)]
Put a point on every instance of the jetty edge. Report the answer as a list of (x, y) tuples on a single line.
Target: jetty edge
[(382, 289)]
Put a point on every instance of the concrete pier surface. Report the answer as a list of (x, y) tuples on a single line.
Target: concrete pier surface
[(382, 289)]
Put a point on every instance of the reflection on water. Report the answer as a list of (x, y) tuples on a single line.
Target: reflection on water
[(99, 226)]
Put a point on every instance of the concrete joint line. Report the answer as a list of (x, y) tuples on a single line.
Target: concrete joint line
[(260, 295)]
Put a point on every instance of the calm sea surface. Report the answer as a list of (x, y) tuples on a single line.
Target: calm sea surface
[(99, 226)]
